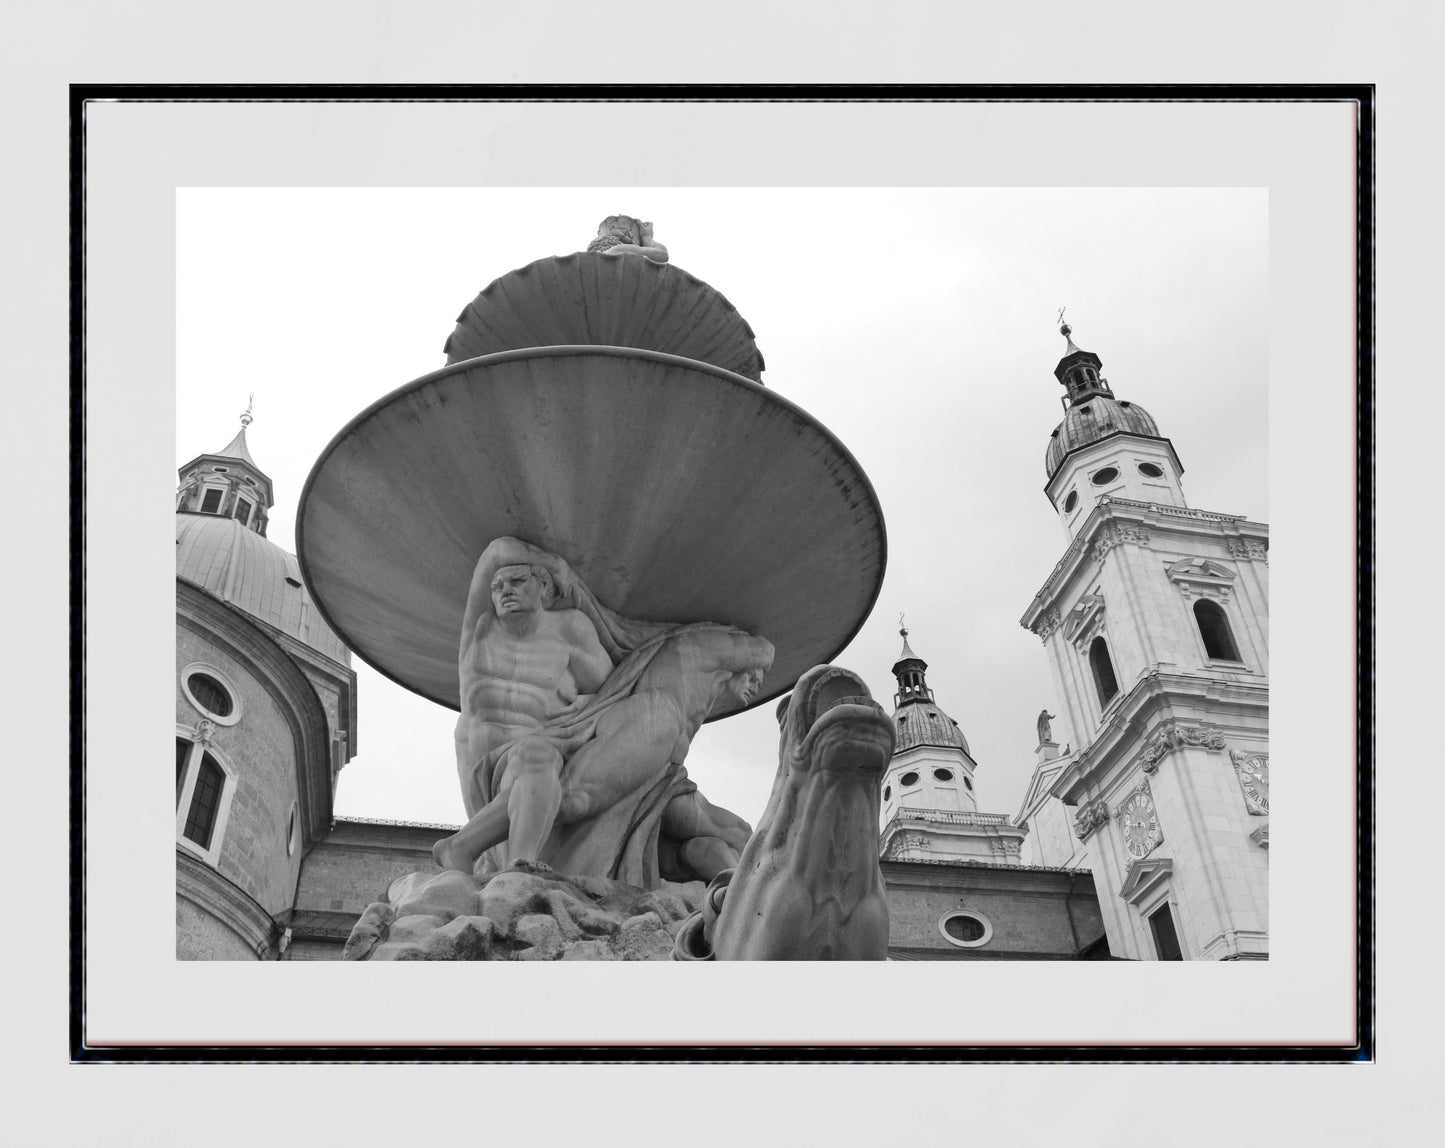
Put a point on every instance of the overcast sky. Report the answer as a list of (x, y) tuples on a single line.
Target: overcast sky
[(918, 325)]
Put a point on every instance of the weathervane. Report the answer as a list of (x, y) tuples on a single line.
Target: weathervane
[(246, 419)]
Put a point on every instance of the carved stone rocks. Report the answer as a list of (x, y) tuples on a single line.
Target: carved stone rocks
[(522, 914)]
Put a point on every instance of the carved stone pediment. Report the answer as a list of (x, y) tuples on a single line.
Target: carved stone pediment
[(1201, 577), (1085, 619), (1144, 876)]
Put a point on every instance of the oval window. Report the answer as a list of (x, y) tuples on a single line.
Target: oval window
[(221, 469), (967, 784), (209, 690), (887, 792), (293, 831), (908, 779), (1149, 470), (1105, 476), (210, 695), (943, 774), (1072, 501), (967, 930)]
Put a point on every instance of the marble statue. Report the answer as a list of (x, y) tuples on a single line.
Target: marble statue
[(619, 235), (1045, 734), (808, 885), (575, 722)]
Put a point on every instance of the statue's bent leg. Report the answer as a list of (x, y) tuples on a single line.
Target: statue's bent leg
[(633, 745), (532, 789)]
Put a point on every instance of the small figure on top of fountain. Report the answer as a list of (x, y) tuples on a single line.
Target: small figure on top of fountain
[(624, 235)]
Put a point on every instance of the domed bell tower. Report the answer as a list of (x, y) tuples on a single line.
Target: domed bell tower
[(1155, 624), (929, 809), (1104, 447)]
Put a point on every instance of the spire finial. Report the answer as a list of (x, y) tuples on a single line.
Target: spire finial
[(1064, 329), (902, 629), (246, 419)]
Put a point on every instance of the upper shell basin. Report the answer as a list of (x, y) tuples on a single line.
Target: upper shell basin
[(587, 299)]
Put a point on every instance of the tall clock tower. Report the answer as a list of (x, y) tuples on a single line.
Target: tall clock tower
[(1155, 624)]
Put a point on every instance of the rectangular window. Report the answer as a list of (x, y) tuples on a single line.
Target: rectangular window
[(1166, 941), (183, 753), (205, 801), (211, 503), (243, 511)]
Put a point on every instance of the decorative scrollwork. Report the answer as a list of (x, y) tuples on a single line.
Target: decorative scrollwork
[(1089, 818), (1175, 735)]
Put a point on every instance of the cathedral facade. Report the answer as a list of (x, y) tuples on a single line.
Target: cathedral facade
[(1155, 625)]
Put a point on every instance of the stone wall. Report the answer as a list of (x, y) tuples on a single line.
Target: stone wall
[(1033, 912)]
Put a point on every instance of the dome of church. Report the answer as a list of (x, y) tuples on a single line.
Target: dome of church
[(1093, 419), (923, 723), (242, 568)]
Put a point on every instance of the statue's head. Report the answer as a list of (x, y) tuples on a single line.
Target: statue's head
[(522, 590), (743, 686), (623, 227)]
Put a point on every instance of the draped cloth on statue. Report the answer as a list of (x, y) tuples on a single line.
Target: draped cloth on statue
[(620, 841)]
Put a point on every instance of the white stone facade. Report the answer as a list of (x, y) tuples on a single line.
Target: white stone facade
[(1176, 726)]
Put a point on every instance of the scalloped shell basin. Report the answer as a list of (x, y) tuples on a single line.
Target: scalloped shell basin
[(679, 491)]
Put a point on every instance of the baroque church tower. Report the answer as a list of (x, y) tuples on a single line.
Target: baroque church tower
[(929, 811), (265, 715), (1155, 624)]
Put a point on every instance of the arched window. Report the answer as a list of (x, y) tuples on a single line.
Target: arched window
[(204, 788), (1214, 629), (1104, 680)]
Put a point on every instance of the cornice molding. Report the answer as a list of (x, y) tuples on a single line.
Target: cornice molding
[(1155, 689), (1151, 518)]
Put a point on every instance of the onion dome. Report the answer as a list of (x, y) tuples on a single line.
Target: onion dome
[(589, 299), (1093, 411), (918, 717), (253, 574)]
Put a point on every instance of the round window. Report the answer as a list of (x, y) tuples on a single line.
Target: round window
[(1149, 470), (943, 774), (210, 695), (909, 778), (966, 930), (1072, 501), (206, 688), (1105, 476)]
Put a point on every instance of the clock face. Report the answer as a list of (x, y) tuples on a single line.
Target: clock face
[(1140, 825), (1254, 780)]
